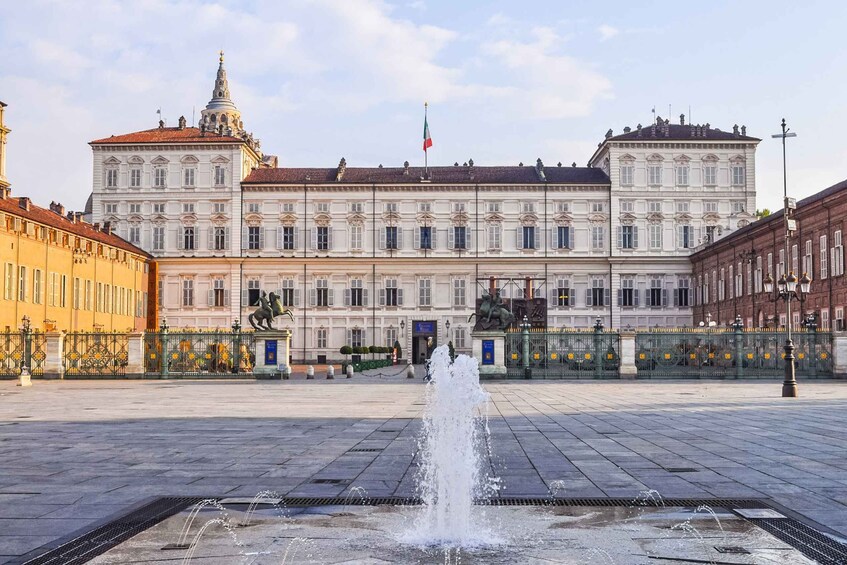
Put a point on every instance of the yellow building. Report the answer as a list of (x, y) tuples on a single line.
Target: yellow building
[(65, 274)]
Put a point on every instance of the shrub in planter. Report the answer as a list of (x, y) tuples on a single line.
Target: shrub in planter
[(346, 350), (365, 349)]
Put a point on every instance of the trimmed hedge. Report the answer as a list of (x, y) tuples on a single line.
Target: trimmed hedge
[(371, 364)]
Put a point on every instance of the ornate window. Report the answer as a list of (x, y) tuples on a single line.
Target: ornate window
[(425, 292), (391, 295), (459, 292), (654, 170), (187, 292), (682, 170), (110, 171), (628, 294), (738, 170), (135, 165)]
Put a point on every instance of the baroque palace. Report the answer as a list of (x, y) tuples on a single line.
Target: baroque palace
[(370, 255)]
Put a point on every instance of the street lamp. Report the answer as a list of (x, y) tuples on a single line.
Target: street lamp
[(787, 285), (447, 327), (788, 289)]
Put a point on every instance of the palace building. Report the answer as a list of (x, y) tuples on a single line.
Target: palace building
[(370, 255), (65, 274)]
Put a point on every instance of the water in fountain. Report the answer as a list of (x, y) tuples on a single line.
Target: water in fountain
[(451, 474)]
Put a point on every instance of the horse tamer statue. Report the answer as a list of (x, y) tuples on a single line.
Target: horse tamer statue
[(269, 308), (493, 313)]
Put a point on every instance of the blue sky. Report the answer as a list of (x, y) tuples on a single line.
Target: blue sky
[(506, 81)]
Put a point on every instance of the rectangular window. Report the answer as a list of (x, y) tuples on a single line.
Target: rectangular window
[(459, 207), (188, 177), (188, 240), (36, 286), (711, 233), (391, 237), (564, 239), (780, 267), (220, 175), (655, 297), (357, 207), (808, 267), (598, 207), (289, 240), (88, 297), (53, 289), (425, 292), (710, 175), (425, 237), (322, 238), (322, 207), (683, 296), (628, 238), (321, 338), (654, 174), (528, 207), (188, 207), (63, 292), (110, 208), (626, 175), (254, 237), (495, 231), (288, 207), (598, 238), (253, 207), (253, 292), (322, 293), (9, 287), (710, 206), (218, 292), (160, 177), (135, 178), (111, 178), (219, 207), (393, 295), (77, 294), (564, 294), (494, 207), (391, 207), (628, 296), (357, 293), (356, 237), (288, 294), (562, 207), (837, 255), (685, 237), (357, 337), (597, 293), (391, 335), (739, 280), (158, 207), (682, 175), (823, 258), (655, 206), (459, 292), (655, 236), (220, 239), (738, 177), (22, 283), (107, 298), (682, 207), (627, 206), (135, 208), (460, 237), (738, 207), (158, 238), (188, 292), (528, 240)]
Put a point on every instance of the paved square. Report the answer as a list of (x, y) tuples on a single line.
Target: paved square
[(73, 453)]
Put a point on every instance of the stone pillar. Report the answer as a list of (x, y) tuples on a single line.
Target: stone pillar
[(839, 354), (272, 348), (135, 355), (627, 368), (497, 366), (54, 360)]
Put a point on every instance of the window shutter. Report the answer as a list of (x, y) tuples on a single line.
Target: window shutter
[(329, 238), (680, 239), (664, 297), (226, 238), (620, 297), (364, 297), (330, 300), (399, 237), (314, 238), (620, 237), (571, 296), (635, 297), (347, 297), (588, 301), (520, 237), (262, 237), (451, 237), (245, 297), (399, 297), (210, 297), (226, 298), (537, 242), (554, 298), (296, 238), (676, 297), (382, 238), (697, 236), (211, 236), (432, 233), (244, 238), (349, 337), (364, 337), (382, 297), (417, 239), (279, 237), (313, 297), (468, 239), (180, 238), (635, 237)]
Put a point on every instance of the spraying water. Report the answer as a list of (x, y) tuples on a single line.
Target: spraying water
[(451, 474)]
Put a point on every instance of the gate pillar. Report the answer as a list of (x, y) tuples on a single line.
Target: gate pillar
[(54, 350), (135, 355), (627, 369)]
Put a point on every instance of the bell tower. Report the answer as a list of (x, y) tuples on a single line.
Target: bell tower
[(221, 115)]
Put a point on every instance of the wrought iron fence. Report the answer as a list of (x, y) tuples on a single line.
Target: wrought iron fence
[(562, 354), (728, 353), (95, 354), (19, 349), (194, 353)]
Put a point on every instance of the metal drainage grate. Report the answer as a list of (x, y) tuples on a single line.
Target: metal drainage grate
[(364, 450), (681, 469), (82, 548), (329, 481), (734, 549), (808, 541)]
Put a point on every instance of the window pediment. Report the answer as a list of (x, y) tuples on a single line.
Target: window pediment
[(459, 217), (355, 218), (220, 159), (528, 219), (711, 218), (253, 219), (682, 159), (323, 218), (391, 217), (219, 218), (655, 217), (188, 219), (597, 218), (136, 160), (627, 219), (190, 160), (626, 158), (655, 157), (112, 218), (738, 159), (112, 161), (494, 217), (563, 218), (287, 219), (683, 217), (710, 158), (159, 220), (425, 218), (134, 219), (160, 161)]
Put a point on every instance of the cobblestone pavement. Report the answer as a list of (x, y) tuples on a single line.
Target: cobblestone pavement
[(75, 452)]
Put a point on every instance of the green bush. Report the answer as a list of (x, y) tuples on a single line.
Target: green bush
[(399, 350), (346, 350), (365, 350)]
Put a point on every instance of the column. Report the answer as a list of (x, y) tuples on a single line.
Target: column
[(628, 369), (135, 355), (54, 349)]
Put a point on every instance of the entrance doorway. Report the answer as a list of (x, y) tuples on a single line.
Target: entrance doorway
[(421, 331)]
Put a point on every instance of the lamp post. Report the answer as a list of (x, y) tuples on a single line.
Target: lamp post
[(525, 325), (788, 289), (447, 327)]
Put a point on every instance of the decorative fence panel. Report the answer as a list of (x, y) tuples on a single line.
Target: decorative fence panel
[(95, 354), (563, 354), (199, 354), (729, 353), (19, 349)]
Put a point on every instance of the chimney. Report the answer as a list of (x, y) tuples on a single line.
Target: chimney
[(735, 129), (341, 169), (743, 130), (96, 226), (682, 119), (57, 208), (107, 228), (24, 203), (5, 192), (406, 168), (627, 129), (609, 133), (181, 122)]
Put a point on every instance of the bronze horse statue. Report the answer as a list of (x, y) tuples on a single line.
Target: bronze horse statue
[(493, 313), (269, 308)]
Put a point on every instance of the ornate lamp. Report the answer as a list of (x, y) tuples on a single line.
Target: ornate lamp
[(805, 284), (791, 283), (768, 282)]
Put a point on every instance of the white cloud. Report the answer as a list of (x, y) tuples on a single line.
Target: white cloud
[(607, 32)]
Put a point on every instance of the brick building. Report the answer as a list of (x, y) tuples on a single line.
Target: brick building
[(728, 275)]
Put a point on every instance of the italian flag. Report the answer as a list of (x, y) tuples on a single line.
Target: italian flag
[(427, 140)]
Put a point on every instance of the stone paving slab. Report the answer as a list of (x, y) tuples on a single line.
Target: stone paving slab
[(75, 452)]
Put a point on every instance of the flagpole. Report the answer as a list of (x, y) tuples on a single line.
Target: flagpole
[(426, 153)]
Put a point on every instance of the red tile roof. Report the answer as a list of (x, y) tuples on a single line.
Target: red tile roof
[(47, 217), (168, 135), (439, 175)]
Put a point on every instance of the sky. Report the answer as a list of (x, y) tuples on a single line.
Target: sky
[(506, 82)]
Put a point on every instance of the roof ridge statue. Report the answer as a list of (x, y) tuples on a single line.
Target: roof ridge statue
[(269, 307)]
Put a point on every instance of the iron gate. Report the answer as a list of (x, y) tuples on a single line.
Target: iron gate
[(19, 349), (563, 354), (198, 354), (95, 354)]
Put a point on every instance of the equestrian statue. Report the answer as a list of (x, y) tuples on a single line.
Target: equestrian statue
[(268, 309), (492, 313)]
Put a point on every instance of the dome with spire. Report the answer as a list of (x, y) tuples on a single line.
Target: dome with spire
[(221, 114)]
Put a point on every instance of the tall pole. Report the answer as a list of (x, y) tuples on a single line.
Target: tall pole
[(426, 153), (789, 385)]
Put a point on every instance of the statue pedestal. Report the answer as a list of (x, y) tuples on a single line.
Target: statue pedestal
[(489, 348), (272, 353)]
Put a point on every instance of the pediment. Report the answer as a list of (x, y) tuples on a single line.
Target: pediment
[(459, 217), (564, 217), (528, 218), (219, 218), (425, 218), (160, 161), (391, 217), (682, 159), (253, 219), (597, 218), (683, 217), (134, 219), (136, 160), (712, 217), (627, 219), (220, 159), (322, 218), (710, 158), (494, 217), (356, 218), (626, 158), (655, 157), (737, 159), (287, 219), (159, 219), (190, 159), (188, 219), (112, 218), (655, 217), (112, 161)]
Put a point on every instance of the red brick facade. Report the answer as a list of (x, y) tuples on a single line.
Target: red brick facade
[(816, 247)]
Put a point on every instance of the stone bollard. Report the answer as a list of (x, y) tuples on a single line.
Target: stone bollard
[(410, 371), (286, 372), (350, 371), (330, 372), (25, 379), (310, 372)]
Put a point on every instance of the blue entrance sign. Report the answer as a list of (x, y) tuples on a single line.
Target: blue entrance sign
[(424, 328), (487, 351), (270, 352)]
